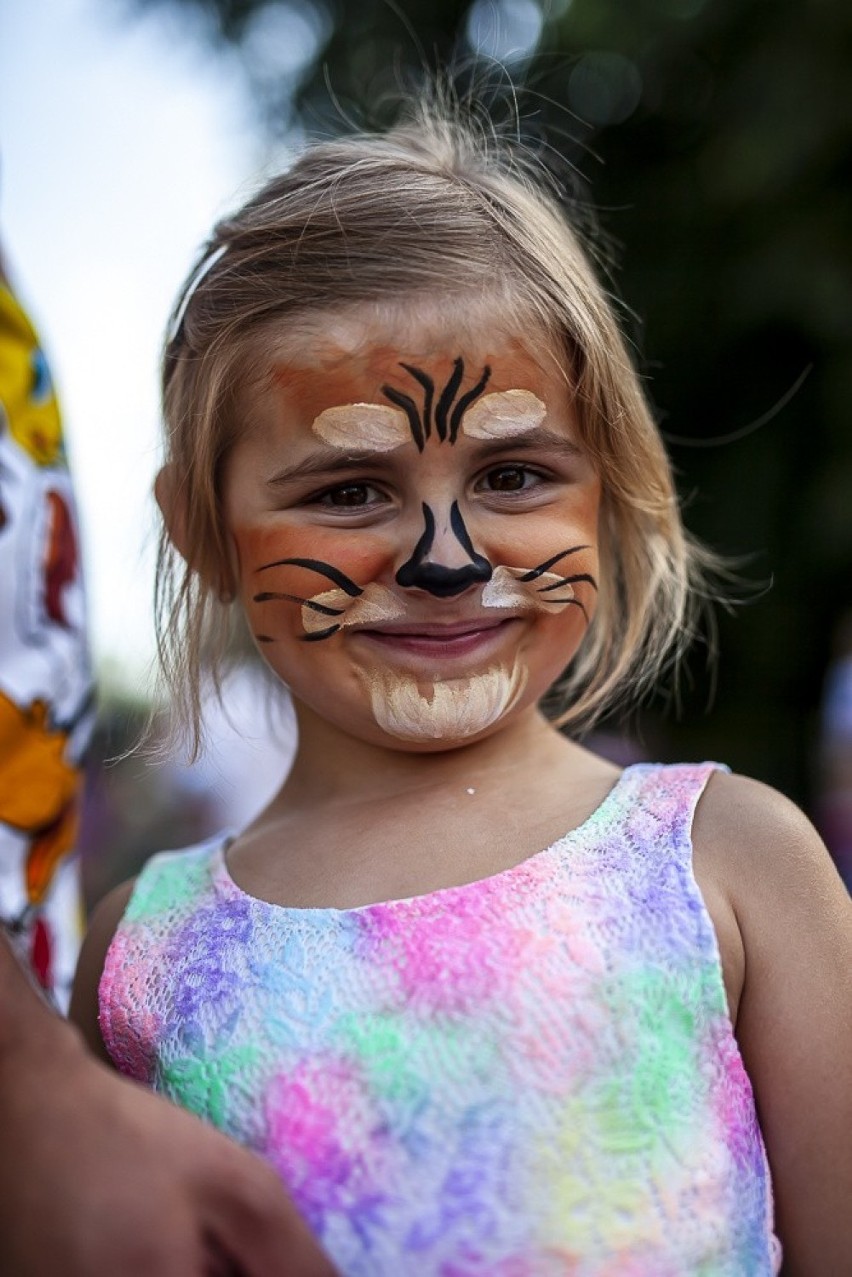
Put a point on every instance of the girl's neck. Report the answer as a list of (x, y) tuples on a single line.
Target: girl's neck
[(333, 768)]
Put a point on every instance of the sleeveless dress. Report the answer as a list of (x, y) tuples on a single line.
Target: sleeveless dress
[(528, 1075)]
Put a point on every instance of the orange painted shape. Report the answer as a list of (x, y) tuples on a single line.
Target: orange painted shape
[(49, 846), (36, 782)]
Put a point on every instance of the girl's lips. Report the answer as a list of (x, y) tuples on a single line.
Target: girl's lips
[(437, 641), (437, 629)]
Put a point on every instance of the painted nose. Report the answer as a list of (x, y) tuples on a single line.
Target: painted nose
[(423, 571)]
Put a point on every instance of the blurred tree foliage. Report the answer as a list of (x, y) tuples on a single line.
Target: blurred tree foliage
[(716, 140)]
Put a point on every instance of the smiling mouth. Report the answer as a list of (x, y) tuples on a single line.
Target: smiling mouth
[(437, 629), (437, 640)]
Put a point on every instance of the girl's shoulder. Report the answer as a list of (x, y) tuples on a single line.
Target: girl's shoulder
[(757, 858), (762, 864), (759, 846)]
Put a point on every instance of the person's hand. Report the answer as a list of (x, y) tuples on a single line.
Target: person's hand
[(100, 1178)]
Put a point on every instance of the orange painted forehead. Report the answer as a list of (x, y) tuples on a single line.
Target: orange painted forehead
[(336, 376)]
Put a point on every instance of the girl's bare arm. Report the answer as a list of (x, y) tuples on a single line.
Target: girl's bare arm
[(794, 1023)]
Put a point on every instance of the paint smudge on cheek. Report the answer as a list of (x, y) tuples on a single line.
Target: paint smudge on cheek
[(374, 605), (451, 709), (540, 589), (508, 589), (289, 582)]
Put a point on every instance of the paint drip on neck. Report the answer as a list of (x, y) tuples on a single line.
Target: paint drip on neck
[(446, 709)]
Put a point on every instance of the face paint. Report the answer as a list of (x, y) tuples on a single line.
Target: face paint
[(503, 415), (369, 427), (448, 411), (364, 591), (521, 589), (451, 709), (537, 589), (378, 428), (374, 426), (435, 578), (373, 606), (348, 604)]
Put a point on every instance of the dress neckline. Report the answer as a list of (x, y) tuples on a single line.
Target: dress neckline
[(228, 887)]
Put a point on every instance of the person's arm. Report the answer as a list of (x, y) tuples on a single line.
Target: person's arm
[(100, 1177), (794, 1025)]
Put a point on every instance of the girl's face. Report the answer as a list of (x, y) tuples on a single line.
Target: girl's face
[(414, 533)]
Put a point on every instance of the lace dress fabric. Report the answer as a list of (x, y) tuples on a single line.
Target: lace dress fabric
[(528, 1075)]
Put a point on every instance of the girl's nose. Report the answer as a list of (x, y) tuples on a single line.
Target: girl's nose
[(444, 561)]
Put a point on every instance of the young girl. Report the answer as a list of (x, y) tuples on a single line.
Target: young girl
[(489, 1005)]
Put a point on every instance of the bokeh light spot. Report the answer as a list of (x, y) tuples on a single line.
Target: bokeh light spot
[(505, 30), (604, 88), (283, 39)]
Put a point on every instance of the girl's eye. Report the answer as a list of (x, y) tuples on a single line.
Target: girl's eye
[(509, 479), (349, 496)]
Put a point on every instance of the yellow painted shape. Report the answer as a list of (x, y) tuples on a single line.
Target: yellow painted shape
[(26, 391)]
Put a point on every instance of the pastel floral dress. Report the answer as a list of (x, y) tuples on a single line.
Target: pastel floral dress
[(532, 1074)]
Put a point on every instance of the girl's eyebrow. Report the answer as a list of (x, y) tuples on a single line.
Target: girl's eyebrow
[(327, 461), (538, 440)]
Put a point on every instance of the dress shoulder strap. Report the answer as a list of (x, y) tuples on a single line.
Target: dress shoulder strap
[(657, 805)]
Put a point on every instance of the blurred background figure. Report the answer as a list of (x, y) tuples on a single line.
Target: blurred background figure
[(46, 693), (833, 807), (714, 140)]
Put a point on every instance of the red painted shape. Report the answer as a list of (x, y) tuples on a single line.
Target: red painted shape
[(41, 953), (60, 564)]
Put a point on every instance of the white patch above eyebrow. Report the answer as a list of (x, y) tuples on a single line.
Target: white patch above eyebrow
[(503, 414), (363, 427)]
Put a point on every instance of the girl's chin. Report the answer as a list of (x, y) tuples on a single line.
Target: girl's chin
[(448, 710)]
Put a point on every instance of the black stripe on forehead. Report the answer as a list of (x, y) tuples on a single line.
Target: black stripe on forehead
[(448, 411), (448, 394), (465, 402)]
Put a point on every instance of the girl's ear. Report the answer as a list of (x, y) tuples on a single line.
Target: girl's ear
[(172, 502), (173, 509)]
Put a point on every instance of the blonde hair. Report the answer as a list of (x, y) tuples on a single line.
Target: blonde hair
[(434, 209)]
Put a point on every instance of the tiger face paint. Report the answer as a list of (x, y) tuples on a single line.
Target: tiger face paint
[(450, 709), (414, 536), (502, 414)]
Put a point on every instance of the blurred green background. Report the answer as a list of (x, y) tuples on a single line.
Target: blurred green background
[(714, 138)]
